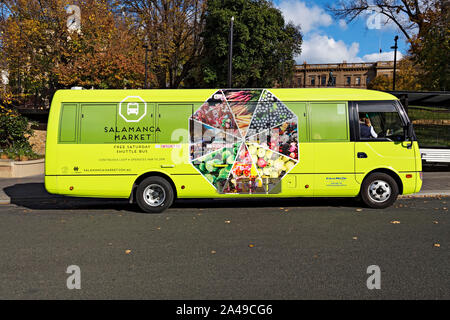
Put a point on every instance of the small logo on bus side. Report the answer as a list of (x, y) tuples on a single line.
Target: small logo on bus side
[(133, 109)]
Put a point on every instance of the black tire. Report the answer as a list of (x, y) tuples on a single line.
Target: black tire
[(379, 190), (154, 195)]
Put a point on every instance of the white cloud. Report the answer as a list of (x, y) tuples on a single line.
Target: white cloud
[(384, 56), (378, 21), (309, 18), (324, 49), (342, 24)]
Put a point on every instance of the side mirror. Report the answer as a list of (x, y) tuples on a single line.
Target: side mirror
[(409, 134), (407, 131)]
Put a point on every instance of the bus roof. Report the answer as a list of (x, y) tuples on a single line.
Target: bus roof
[(200, 95)]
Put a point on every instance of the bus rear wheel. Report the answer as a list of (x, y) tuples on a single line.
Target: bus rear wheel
[(379, 190), (154, 195)]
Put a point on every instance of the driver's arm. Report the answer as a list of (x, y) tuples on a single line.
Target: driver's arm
[(373, 133)]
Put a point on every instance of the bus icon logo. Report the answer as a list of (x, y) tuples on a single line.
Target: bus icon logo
[(133, 109)]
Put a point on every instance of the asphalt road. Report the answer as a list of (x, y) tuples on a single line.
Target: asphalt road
[(269, 249)]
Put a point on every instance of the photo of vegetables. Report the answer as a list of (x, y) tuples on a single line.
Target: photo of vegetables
[(216, 166), (243, 103), (244, 141)]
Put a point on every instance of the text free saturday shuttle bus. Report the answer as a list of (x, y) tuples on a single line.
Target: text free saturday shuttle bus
[(153, 146)]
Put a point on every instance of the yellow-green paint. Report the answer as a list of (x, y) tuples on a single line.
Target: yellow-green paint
[(80, 163)]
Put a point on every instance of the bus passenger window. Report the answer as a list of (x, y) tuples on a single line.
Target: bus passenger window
[(328, 121), (379, 120)]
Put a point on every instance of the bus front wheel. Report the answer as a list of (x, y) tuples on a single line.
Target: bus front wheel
[(379, 190), (154, 195)]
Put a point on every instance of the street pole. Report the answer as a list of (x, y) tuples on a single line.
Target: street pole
[(395, 47), (230, 55), (146, 65)]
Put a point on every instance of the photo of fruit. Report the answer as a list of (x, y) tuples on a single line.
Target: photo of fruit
[(269, 113), (244, 177), (282, 139), (271, 165)]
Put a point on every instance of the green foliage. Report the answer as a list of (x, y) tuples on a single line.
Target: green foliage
[(431, 55), (14, 133), (263, 44)]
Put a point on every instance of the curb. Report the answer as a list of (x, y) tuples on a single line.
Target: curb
[(426, 195), (409, 196)]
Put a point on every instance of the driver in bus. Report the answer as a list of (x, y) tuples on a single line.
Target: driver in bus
[(365, 128)]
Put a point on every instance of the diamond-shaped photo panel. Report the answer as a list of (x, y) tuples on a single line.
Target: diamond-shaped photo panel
[(244, 141)]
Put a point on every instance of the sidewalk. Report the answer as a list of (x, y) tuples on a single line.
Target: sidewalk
[(32, 188)]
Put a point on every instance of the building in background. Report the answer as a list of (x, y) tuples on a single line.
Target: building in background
[(340, 75)]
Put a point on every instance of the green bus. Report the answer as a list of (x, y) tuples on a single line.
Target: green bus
[(154, 146)]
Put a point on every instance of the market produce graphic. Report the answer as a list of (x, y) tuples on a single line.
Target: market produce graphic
[(244, 141)]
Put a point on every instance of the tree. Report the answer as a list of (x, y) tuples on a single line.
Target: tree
[(426, 27), (171, 29), (104, 54), (431, 50), (29, 32), (380, 82), (407, 78), (263, 46), (410, 16), (43, 55)]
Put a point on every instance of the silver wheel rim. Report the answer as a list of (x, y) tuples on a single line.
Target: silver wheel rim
[(379, 191), (154, 195)]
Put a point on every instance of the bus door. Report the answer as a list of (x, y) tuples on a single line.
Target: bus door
[(172, 135), (333, 150)]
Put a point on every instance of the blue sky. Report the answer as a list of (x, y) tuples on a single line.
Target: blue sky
[(329, 40)]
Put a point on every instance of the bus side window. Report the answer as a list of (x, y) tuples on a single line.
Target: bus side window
[(328, 121), (67, 123)]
